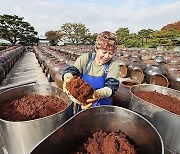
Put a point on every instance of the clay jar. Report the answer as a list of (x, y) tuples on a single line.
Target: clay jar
[(2, 74), (123, 67), (126, 54), (171, 67), (168, 57), (160, 80), (133, 59), (174, 79), (146, 57), (55, 68), (122, 96), (61, 57), (160, 59), (136, 54), (58, 79), (175, 60), (47, 63), (136, 71), (4, 65), (149, 62), (8, 60), (137, 75), (153, 55), (156, 74)]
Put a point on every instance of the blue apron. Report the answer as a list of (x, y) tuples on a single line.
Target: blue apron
[(97, 82)]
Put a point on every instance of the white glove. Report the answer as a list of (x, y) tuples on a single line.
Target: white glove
[(100, 93)]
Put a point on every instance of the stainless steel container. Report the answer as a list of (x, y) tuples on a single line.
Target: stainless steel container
[(167, 123), (21, 137), (104, 118)]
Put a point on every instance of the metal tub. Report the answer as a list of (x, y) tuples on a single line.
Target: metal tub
[(21, 137), (105, 118), (167, 123)]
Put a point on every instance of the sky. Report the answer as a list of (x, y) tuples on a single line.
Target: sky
[(97, 15)]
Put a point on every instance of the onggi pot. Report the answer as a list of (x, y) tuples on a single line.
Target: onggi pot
[(167, 123), (122, 96), (103, 118), (123, 67), (21, 137), (174, 79), (157, 73), (137, 75), (160, 80)]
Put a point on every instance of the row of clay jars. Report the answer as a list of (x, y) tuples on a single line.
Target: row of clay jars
[(2, 74), (8, 59), (124, 64), (153, 74), (58, 75), (132, 67), (67, 52), (139, 72), (159, 57), (168, 76), (162, 59), (5, 66), (53, 67), (53, 64), (55, 60)]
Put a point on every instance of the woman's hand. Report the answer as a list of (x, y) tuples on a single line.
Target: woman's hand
[(90, 101), (94, 98), (84, 107)]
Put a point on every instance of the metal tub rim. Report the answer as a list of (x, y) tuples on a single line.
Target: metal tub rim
[(104, 106), (26, 121), (27, 133), (146, 102)]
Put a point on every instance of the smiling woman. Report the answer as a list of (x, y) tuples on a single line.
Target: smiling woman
[(98, 69)]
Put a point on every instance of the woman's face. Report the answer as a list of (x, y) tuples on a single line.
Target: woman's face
[(103, 56)]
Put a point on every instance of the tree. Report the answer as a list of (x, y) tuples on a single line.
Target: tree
[(15, 30), (90, 38), (175, 26), (165, 37), (54, 36), (145, 34), (132, 41), (74, 33), (122, 35)]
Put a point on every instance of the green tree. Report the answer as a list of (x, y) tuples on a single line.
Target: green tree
[(145, 34), (74, 32), (54, 36), (90, 38), (122, 35), (132, 41), (15, 30), (165, 37)]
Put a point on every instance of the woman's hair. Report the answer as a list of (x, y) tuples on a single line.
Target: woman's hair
[(107, 41)]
